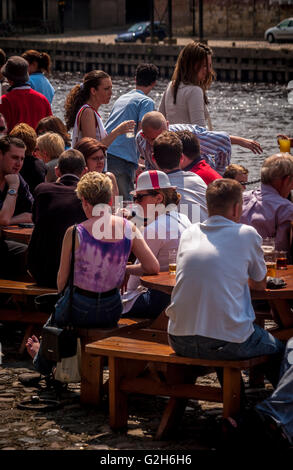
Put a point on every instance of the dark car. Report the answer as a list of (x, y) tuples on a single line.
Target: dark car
[(141, 31)]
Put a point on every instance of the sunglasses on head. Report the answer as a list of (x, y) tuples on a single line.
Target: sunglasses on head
[(139, 197)]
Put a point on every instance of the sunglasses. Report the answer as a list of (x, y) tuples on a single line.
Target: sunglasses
[(139, 197), (2, 128)]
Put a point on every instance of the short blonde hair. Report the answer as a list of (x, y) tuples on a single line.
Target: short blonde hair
[(52, 144), (95, 188), (279, 165)]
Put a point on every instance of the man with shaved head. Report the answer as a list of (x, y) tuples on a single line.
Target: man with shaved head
[(215, 147)]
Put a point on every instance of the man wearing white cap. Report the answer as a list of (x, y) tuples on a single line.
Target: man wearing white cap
[(168, 151), (158, 201)]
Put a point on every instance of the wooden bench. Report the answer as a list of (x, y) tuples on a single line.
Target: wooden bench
[(92, 387), (143, 362), (22, 309)]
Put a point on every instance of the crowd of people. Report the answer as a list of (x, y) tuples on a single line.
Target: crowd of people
[(177, 172)]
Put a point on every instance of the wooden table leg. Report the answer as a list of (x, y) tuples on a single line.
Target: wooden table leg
[(91, 378), (175, 408), (231, 392), (282, 313), (171, 417), (118, 409)]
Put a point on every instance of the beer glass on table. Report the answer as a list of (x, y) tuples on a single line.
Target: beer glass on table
[(268, 245), (271, 263), (172, 262), (281, 259)]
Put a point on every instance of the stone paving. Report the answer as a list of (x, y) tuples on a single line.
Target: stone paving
[(78, 427)]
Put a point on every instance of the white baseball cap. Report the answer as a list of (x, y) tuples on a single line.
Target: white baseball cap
[(152, 180)]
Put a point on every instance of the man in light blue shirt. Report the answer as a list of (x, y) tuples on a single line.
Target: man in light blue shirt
[(122, 154)]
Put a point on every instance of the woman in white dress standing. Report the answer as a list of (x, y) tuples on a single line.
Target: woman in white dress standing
[(185, 100)]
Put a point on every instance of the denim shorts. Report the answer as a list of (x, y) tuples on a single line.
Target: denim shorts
[(99, 312)]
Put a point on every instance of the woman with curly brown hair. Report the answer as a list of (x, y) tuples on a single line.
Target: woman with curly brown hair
[(39, 62), (82, 105), (185, 100), (54, 124)]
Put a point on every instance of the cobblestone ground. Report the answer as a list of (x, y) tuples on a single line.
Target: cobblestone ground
[(78, 427)]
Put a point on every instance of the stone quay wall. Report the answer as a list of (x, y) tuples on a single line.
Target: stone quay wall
[(251, 64)]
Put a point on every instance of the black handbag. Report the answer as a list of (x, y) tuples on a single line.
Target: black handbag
[(58, 343)]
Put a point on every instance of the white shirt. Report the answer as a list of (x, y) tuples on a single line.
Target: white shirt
[(161, 235), (100, 130), (211, 297), (192, 189)]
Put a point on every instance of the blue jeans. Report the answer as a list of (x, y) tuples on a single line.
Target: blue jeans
[(280, 404), (259, 343), (149, 304), (125, 175), (87, 312)]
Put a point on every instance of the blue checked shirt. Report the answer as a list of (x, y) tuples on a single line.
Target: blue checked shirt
[(215, 147)]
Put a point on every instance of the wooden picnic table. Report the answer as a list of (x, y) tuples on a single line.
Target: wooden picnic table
[(277, 298), (16, 233)]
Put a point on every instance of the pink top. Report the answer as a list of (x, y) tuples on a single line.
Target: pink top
[(100, 265), (269, 213)]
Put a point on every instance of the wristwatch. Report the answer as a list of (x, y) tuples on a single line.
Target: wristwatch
[(12, 192)]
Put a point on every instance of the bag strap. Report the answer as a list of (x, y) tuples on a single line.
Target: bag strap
[(71, 275)]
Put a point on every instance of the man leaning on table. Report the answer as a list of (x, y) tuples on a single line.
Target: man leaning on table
[(15, 204), (211, 315)]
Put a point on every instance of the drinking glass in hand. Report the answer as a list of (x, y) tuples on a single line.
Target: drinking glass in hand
[(284, 145)]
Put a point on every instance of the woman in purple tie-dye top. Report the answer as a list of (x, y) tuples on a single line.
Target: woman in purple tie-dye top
[(102, 247)]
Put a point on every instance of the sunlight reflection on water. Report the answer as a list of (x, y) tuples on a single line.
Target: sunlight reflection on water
[(256, 111)]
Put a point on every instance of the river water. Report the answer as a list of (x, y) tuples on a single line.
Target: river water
[(255, 111)]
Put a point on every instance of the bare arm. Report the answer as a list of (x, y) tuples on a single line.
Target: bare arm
[(124, 127), (8, 208), (257, 285), (250, 144), (88, 123), (148, 262), (65, 259), (25, 217), (115, 190)]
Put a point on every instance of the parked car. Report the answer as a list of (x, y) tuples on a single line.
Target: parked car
[(282, 32), (140, 31)]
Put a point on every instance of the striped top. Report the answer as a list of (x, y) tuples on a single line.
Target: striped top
[(215, 147)]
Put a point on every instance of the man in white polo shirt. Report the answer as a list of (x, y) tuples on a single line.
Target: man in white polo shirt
[(211, 315)]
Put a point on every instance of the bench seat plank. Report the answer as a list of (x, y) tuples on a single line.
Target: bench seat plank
[(23, 288), (145, 345), (143, 362)]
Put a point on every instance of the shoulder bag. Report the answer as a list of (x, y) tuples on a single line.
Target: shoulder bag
[(58, 343)]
